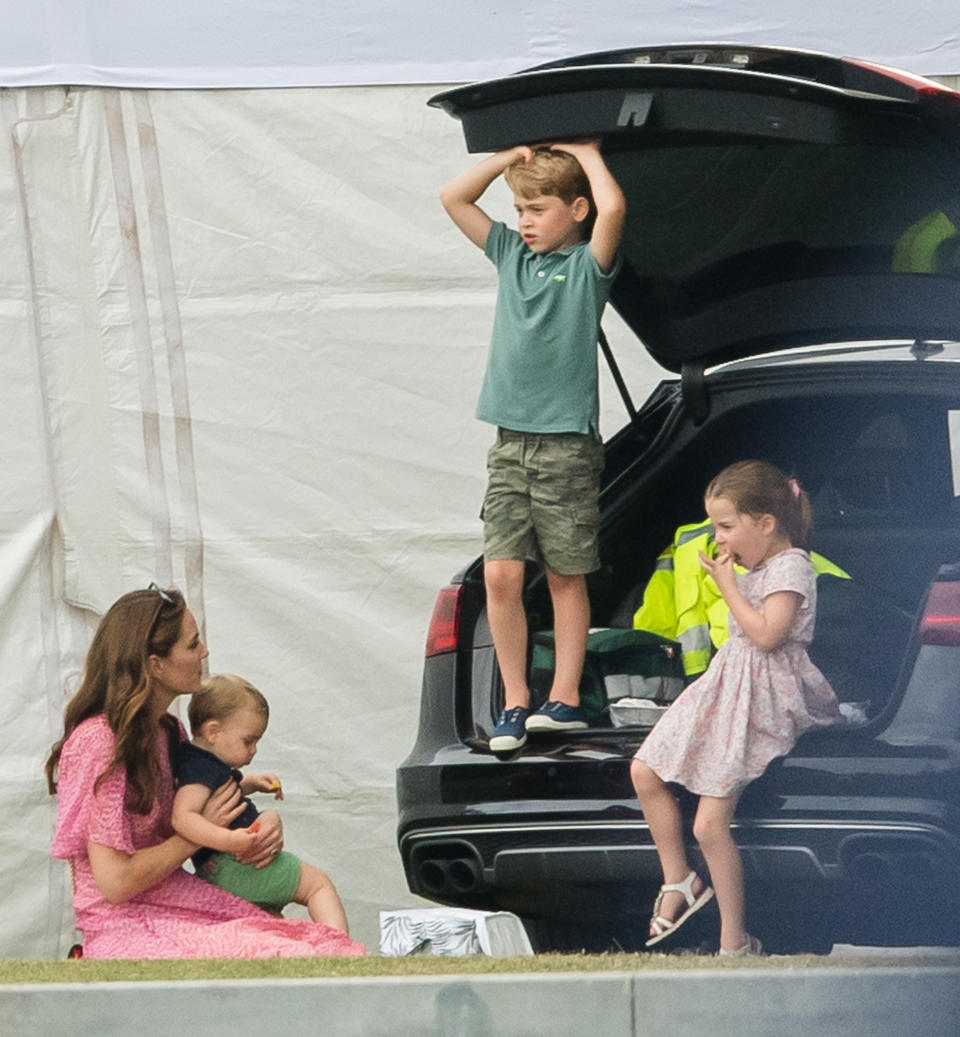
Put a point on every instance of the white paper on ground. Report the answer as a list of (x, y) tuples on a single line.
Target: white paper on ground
[(453, 932)]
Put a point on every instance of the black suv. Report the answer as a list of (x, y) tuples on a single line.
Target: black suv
[(792, 259)]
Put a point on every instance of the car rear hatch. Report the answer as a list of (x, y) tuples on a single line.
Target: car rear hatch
[(775, 198)]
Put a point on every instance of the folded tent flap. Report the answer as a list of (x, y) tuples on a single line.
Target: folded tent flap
[(618, 663)]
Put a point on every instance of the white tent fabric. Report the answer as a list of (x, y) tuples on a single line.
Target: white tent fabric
[(242, 347), (209, 43), (241, 350)]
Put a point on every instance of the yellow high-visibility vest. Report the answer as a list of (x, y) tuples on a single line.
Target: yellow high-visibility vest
[(682, 601), (929, 246)]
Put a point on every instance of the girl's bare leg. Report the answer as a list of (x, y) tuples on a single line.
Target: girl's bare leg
[(662, 813), (319, 896), (711, 829)]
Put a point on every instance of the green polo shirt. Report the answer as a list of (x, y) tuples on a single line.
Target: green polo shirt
[(542, 367)]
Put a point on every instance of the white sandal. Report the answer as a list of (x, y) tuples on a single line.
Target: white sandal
[(664, 927), (752, 947)]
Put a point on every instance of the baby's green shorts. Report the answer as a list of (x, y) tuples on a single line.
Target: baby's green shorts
[(271, 887)]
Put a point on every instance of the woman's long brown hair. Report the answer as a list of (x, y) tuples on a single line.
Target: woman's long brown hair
[(116, 683)]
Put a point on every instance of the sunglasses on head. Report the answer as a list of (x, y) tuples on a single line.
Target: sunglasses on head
[(164, 597)]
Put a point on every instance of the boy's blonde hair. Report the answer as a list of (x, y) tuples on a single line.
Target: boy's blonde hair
[(223, 694), (550, 172)]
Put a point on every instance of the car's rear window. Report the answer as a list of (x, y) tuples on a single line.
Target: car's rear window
[(709, 221)]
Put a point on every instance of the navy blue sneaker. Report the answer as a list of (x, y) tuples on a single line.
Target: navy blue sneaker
[(556, 716), (510, 732)]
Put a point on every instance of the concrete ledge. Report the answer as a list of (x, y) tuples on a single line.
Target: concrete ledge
[(873, 1002)]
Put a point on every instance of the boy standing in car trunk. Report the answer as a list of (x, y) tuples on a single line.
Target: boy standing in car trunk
[(540, 390)]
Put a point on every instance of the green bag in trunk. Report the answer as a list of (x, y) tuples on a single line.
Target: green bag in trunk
[(618, 663)]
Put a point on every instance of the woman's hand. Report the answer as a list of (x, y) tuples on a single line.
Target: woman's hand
[(268, 842), (224, 805)]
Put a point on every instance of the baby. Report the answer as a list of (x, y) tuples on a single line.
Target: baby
[(227, 721)]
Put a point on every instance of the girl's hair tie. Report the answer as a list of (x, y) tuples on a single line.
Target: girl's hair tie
[(794, 487)]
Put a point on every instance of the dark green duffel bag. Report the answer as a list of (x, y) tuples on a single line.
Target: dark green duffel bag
[(619, 663)]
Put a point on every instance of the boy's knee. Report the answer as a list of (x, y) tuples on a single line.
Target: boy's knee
[(566, 583), (503, 579)]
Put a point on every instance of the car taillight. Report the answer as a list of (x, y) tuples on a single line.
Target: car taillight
[(445, 621), (941, 616), (921, 84)]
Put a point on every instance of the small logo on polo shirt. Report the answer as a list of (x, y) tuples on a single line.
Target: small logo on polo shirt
[(560, 277)]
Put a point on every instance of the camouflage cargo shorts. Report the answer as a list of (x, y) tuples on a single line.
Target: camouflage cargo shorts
[(541, 500)]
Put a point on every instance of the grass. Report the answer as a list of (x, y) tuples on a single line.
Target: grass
[(204, 970)]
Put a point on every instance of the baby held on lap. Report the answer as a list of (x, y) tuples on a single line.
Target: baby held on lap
[(227, 721)]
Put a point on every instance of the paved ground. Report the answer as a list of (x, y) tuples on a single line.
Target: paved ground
[(881, 1001)]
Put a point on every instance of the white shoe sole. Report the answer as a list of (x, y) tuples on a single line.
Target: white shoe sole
[(544, 723), (504, 743)]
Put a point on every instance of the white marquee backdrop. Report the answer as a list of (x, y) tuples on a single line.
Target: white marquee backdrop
[(216, 43), (241, 348)]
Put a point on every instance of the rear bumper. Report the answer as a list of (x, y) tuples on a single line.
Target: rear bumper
[(456, 863)]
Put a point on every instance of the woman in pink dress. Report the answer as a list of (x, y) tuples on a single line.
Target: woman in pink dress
[(112, 776), (759, 694)]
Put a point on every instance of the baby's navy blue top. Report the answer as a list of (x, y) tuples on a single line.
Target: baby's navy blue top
[(195, 766)]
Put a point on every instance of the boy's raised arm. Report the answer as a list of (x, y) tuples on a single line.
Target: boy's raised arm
[(607, 197), (459, 197)]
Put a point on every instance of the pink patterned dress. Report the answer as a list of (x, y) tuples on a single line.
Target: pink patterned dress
[(181, 916), (751, 705)]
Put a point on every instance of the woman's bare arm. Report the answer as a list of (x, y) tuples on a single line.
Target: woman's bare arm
[(121, 876)]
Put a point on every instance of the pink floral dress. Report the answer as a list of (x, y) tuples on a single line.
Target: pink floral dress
[(751, 705), (181, 916)]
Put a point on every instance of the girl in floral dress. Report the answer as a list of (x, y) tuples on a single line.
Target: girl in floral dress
[(759, 694), (112, 775)]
